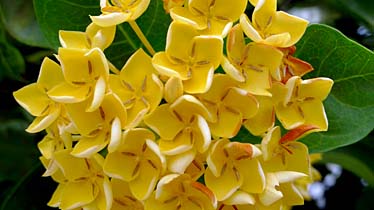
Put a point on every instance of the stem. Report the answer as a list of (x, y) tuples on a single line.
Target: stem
[(141, 36), (113, 68)]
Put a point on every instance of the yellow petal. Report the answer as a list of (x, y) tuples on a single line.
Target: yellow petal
[(292, 195), (224, 185), (164, 122), (166, 67), (254, 177), (173, 89), (87, 146), (153, 204), (191, 103), (207, 49), (87, 123), (114, 162), (181, 143), (248, 29), (143, 185), (50, 74), (235, 44), (293, 25), (318, 88), (216, 157), (33, 99), (270, 194), (228, 123), (264, 118), (278, 40), (105, 197), (230, 11), (115, 135), (241, 101), (136, 113), (55, 200), (201, 134), (263, 14), (290, 116), (183, 15), (270, 143), (100, 37), (240, 198), (72, 167), (314, 114), (66, 93), (72, 59), (97, 64), (98, 95), (77, 194), (297, 159), (232, 70), (43, 122), (111, 19), (200, 81), (179, 40), (73, 39), (179, 162), (112, 108)]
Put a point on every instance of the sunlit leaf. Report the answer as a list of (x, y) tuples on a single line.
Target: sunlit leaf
[(350, 106)]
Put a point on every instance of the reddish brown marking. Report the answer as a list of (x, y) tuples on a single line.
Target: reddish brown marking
[(296, 133)]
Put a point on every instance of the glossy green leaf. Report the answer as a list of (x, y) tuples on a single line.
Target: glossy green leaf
[(55, 15), (19, 20), (350, 106), (12, 64)]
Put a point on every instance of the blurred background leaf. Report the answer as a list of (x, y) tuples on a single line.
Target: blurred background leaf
[(19, 20)]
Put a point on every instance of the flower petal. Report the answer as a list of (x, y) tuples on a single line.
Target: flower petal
[(33, 99), (240, 198), (207, 49), (87, 146), (228, 123), (77, 194), (98, 95), (179, 162), (114, 162), (66, 93), (200, 81), (248, 29), (110, 19), (264, 118), (143, 185), (166, 67), (50, 74), (253, 176), (73, 39), (43, 122)]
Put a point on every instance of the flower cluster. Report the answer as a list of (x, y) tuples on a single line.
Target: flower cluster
[(157, 134)]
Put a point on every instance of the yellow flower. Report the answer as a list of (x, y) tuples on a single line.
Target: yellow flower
[(137, 160), (138, 87), (190, 57), (123, 199), (280, 189), (35, 100), (183, 130), (169, 4), (270, 27), (264, 119), (94, 36), (115, 12), (284, 153), (175, 191), (89, 83), (228, 105), (85, 183), (212, 16), (299, 102), (233, 165), (99, 128), (251, 64)]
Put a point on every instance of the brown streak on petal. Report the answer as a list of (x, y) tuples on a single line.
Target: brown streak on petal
[(196, 164), (144, 147), (178, 116), (94, 132), (170, 199), (87, 163), (89, 67), (136, 169), (128, 154), (130, 101), (237, 174), (102, 113), (223, 169), (128, 85), (78, 83), (144, 83), (202, 188), (194, 202), (255, 68), (121, 203), (130, 198), (152, 164)]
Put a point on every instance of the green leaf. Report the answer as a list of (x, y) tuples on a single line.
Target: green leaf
[(19, 20), (350, 106), (356, 158), (55, 15), (154, 24), (12, 64)]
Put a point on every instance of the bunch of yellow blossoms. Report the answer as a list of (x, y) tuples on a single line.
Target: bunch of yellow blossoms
[(156, 134)]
